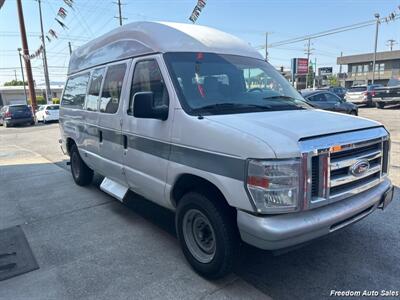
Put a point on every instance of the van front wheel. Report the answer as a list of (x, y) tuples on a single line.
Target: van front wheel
[(207, 234), (81, 173)]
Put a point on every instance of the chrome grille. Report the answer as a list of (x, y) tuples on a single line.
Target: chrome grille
[(330, 178), (341, 179)]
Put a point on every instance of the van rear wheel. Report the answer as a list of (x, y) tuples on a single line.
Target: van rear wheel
[(81, 173), (380, 105), (207, 234)]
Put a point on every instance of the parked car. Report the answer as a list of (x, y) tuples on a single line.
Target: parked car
[(197, 121), (337, 90), (48, 113), (329, 101), (17, 114), (387, 95), (362, 94)]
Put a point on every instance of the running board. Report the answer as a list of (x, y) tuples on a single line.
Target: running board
[(113, 188)]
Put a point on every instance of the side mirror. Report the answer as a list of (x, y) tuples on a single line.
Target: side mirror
[(143, 107)]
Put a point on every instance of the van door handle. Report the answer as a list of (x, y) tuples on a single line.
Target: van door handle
[(125, 139), (100, 136)]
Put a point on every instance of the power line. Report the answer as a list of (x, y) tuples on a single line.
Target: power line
[(326, 32)]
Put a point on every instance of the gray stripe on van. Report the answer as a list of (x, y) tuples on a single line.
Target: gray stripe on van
[(210, 162)]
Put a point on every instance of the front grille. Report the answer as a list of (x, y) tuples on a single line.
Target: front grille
[(338, 181)]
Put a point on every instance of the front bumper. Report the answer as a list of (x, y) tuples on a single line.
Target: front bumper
[(285, 230)]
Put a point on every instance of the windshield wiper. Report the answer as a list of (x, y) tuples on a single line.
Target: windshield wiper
[(229, 105), (281, 97)]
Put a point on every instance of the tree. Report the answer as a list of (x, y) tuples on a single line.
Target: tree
[(310, 76), (333, 80), (15, 83)]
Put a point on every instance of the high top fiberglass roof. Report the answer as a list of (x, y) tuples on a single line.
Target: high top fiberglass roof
[(141, 38)]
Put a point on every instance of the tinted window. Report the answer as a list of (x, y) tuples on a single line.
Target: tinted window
[(112, 87), (394, 82), (318, 98), (357, 89), (53, 107), (372, 87), (75, 92), (19, 108), (331, 98), (147, 78), (94, 90)]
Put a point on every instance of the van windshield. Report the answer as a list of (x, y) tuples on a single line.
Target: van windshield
[(210, 83)]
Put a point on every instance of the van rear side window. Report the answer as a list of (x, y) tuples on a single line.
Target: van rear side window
[(112, 87), (92, 99), (75, 92)]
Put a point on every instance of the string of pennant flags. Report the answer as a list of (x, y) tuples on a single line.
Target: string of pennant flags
[(52, 34), (393, 15), (197, 10)]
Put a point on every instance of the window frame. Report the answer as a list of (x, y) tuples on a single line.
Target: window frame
[(138, 61), (66, 84), (103, 81), (101, 88)]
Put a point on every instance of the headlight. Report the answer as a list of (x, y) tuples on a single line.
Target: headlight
[(274, 184)]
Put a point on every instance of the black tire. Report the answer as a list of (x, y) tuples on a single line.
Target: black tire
[(380, 105), (224, 230), (81, 173), (354, 113)]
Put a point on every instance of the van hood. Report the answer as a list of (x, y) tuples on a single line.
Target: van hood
[(281, 130)]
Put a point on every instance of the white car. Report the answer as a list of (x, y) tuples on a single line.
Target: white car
[(48, 113)]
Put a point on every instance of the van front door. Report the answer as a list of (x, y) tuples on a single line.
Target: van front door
[(147, 145), (110, 121)]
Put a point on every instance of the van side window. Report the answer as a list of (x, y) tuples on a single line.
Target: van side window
[(75, 92), (92, 99), (112, 87), (147, 78)]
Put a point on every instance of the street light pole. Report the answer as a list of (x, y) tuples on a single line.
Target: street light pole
[(266, 46), (46, 70), (22, 73), (376, 46)]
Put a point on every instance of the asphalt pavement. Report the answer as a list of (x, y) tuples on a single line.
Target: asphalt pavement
[(90, 246)]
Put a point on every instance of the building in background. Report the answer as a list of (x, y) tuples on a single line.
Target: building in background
[(15, 94), (299, 67), (359, 67)]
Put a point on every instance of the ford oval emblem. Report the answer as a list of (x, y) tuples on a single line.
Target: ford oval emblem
[(359, 168)]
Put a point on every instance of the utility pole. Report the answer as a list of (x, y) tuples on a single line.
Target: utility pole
[(119, 12), (308, 52), (70, 48), (315, 72), (376, 46), (25, 48), (22, 73), (340, 67), (266, 46), (45, 68), (15, 75), (391, 43)]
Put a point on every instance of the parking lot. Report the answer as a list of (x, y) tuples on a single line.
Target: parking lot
[(89, 245)]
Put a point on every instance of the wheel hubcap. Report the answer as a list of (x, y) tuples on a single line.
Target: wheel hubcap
[(199, 235)]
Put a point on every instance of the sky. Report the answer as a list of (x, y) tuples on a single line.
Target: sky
[(247, 19)]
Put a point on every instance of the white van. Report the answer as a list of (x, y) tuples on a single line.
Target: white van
[(195, 120)]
